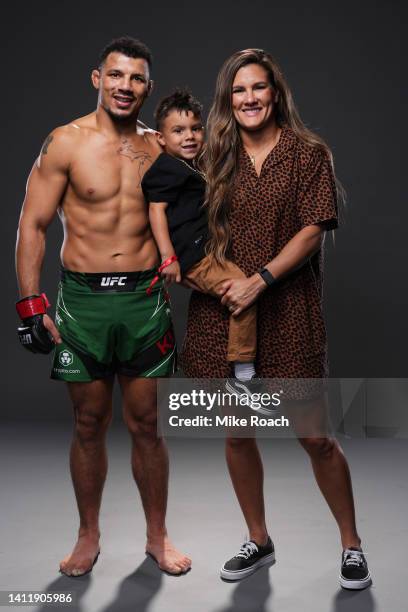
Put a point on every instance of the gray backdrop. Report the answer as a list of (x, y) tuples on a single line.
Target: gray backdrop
[(345, 64)]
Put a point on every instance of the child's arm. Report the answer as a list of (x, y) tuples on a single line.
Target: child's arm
[(160, 229)]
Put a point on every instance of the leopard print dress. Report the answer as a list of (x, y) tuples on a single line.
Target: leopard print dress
[(296, 188)]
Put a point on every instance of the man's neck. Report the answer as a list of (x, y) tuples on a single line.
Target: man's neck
[(109, 124), (260, 138)]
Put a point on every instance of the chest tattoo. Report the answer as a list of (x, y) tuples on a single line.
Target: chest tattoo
[(127, 150)]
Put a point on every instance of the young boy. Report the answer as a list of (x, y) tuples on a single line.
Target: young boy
[(175, 191)]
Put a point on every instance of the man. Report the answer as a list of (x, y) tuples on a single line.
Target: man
[(90, 171)]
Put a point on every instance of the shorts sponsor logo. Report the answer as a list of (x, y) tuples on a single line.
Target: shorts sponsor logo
[(110, 281), (65, 358), (26, 339), (65, 371), (166, 343)]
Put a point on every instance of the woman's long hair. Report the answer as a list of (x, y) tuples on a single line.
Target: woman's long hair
[(220, 157)]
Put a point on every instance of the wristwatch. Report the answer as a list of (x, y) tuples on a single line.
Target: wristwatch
[(267, 277)]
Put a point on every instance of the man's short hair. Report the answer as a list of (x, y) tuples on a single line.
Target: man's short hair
[(131, 47), (182, 100)]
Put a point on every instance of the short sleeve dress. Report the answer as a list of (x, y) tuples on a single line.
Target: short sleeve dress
[(296, 188)]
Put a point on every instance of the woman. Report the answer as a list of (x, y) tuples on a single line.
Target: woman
[(271, 198)]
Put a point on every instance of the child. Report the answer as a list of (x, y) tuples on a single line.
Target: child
[(175, 191)]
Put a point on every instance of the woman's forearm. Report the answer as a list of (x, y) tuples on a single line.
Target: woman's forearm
[(297, 251), (241, 293), (292, 257)]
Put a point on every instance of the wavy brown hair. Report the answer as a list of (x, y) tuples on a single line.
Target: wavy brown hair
[(220, 156)]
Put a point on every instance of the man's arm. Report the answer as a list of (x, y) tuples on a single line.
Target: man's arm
[(45, 188)]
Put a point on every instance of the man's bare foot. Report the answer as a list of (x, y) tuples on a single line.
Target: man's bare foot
[(83, 557), (167, 557)]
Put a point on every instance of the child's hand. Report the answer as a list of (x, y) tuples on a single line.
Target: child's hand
[(171, 274)]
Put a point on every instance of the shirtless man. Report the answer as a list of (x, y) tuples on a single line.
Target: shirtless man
[(90, 171)]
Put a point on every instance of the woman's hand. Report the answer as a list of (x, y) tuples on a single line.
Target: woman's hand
[(241, 293), (171, 274)]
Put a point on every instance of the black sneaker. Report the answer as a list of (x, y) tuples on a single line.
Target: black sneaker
[(354, 573), (250, 558), (246, 389)]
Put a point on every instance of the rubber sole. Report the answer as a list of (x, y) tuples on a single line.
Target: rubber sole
[(244, 573), (355, 585)]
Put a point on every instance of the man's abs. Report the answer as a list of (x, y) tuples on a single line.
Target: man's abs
[(116, 249), (104, 214)]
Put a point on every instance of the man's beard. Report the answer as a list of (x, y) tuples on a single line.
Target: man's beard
[(121, 119)]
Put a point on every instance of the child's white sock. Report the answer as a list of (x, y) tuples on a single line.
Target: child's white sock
[(244, 371)]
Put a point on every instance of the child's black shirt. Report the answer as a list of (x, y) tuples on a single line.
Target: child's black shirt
[(174, 181)]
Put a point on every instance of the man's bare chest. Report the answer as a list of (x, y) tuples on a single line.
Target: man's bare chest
[(99, 173)]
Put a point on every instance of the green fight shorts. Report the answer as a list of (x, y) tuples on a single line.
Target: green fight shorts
[(109, 325)]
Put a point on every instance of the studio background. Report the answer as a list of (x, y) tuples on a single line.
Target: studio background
[(345, 65)]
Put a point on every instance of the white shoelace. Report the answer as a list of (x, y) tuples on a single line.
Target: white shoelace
[(246, 550), (353, 557)]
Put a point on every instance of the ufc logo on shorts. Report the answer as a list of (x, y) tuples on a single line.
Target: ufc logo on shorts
[(109, 281)]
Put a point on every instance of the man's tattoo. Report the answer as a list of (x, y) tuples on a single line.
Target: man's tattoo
[(46, 144), (126, 149)]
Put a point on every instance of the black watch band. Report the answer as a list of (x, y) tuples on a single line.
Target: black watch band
[(267, 277)]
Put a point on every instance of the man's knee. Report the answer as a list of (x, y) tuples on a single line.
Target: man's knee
[(318, 448), (91, 423), (142, 425)]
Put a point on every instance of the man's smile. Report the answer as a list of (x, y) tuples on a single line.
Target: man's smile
[(123, 101)]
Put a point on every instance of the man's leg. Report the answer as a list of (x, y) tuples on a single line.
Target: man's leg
[(92, 404), (246, 471), (150, 469)]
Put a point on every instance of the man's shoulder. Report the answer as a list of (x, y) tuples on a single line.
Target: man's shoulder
[(65, 136), (77, 129), (143, 129), (149, 137), (63, 141), (58, 148)]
